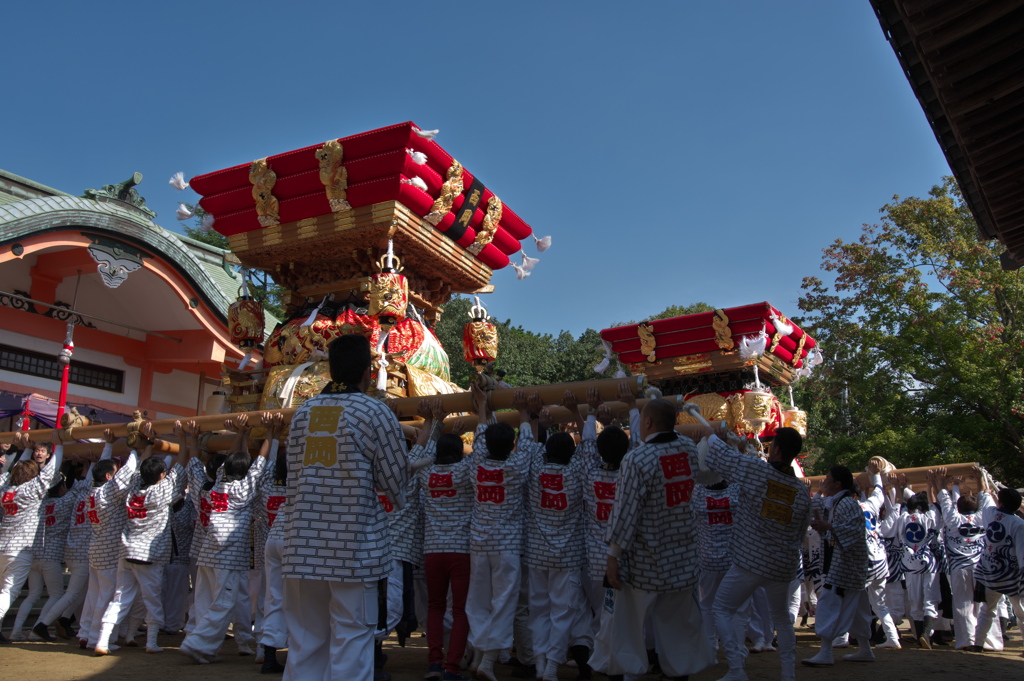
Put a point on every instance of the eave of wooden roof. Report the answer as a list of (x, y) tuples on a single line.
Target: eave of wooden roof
[(965, 63)]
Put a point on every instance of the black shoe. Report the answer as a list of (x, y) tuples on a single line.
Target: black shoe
[(524, 671), (3, 639), (43, 632), (64, 628), (581, 656), (270, 663), (803, 621)]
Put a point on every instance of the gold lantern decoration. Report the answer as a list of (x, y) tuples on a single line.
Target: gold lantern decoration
[(796, 419), (389, 291), (480, 338), (750, 412), (245, 319)]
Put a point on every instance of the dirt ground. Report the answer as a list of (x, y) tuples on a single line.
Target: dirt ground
[(64, 661)]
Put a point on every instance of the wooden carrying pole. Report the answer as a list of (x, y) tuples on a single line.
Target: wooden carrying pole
[(501, 398), (917, 477)]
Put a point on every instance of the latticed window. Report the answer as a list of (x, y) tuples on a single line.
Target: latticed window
[(37, 364)]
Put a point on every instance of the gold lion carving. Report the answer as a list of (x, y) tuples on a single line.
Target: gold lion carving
[(263, 180), (452, 187), (334, 175), (647, 342), (723, 334)]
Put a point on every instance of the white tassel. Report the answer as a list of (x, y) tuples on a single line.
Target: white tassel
[(528, 263), (183, 212), (520, 272), (382, 372), (619, 373), (312, 315), (178, 181), (785, 328), (416, 182), (791, 405), (543, 243), (208, 221), (245, 361), (418, 157), (426, 134), (606, 362), (818, 357)]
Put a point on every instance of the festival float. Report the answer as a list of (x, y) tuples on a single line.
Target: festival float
[(371, 234)]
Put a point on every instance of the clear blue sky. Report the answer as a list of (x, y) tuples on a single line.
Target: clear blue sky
[(675, 151)]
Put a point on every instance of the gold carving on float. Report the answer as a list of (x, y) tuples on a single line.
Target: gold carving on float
[(451, 188), (750, 413), (796, 419), (306, 228), (488, 227), (263, 180), (647, 342), (723, 334), (799, 349), (692, 364), (713, 407), (334, 175), (272, 235)]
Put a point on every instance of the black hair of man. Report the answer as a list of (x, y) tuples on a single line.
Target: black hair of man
[(280, 469), (789, 443), (662, 414), (967, 504), (1009, 499), (212, 466), (612, 445), (559, 448), (100, 471), (500, 438), (349, 358), (449, 449), (918, 503), (151, 470), (842, 475), (23, 472), (236, 466)]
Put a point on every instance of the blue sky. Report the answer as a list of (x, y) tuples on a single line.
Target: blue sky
[(675, 151)]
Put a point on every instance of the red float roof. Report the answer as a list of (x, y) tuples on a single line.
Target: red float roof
[(376, 163)]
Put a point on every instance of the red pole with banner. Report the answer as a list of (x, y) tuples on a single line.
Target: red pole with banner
[(65, 358)]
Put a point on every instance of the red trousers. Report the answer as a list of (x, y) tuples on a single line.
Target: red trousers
[(444, 570)]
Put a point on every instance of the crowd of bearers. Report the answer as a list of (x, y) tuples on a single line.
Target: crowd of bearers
[(619, 550)]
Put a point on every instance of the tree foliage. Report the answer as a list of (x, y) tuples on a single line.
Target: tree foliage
[(924, 333)]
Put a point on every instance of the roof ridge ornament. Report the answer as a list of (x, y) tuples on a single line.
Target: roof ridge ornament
[(123, 192)]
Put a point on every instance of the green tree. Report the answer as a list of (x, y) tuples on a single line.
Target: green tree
[(923, 330), (670, 312)]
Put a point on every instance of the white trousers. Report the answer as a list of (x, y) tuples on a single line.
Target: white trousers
[(275, 629), (837, 615), (896, 599), (679, 633), (330, 630), (737, 586), (219, 600), (242, 619), (923, 595), (14, 571), (48, 572), (521, 622), (491, 602), (74, 594), (759, 628), (878, 603), (175, 595), (102, 584), (988, 619), (965, 610), (134, 580), (256, 589), (594, 591), (393, 599), (556, 597)]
